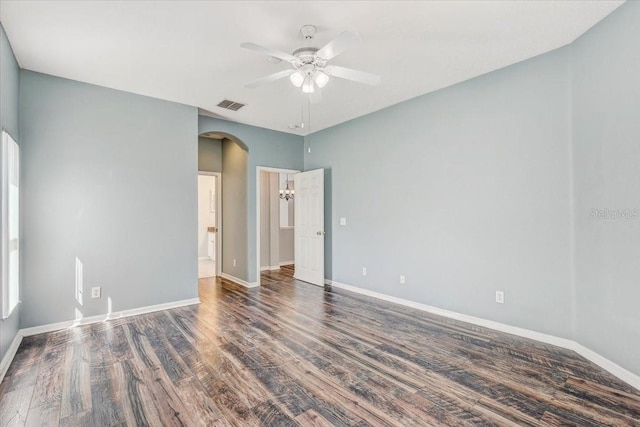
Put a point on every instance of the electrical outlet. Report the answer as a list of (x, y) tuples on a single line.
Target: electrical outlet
[(364, 271), (234, 262), (402, 279), (343, 221), (500, 297), (96, 292)]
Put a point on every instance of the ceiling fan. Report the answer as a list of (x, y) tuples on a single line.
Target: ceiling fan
[(310, 70)]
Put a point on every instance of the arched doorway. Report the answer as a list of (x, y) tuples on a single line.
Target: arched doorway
[(223, 159)]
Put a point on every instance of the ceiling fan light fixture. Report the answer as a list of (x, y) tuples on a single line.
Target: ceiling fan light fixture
[(321, 78), (308, 86), (297, 78)]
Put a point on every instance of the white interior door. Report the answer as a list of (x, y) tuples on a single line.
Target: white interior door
[(309, 226)]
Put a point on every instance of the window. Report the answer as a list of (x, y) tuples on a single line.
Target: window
[(10, 174)]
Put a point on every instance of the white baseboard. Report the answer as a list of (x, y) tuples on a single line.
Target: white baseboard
[(292, 262), (269, 268), (9, 355), (104, 317), (590, 355), (265, 268), (608, 365), (240, 281)]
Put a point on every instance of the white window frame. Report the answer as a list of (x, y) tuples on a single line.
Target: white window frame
[(10, 163)]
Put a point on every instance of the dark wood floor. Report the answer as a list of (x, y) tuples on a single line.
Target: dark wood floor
[(290, 353)]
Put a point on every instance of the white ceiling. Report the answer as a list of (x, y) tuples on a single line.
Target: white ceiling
[(189, 51)]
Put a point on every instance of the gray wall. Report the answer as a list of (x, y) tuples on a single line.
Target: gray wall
[(209, 154), (265, 148), (109, 178), (234, 208), (286, 244), (465, 191), (606, 164), (9, 86)]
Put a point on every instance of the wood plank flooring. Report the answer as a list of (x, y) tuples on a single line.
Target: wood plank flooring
[(290, 353)]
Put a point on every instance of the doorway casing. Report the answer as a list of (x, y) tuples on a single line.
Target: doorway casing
[(260, 169)]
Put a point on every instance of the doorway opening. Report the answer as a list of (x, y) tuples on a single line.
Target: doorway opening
[(274, 220), (209, 224)]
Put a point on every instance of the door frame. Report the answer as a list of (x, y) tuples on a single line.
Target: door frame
[(258, 170), (218, 176)]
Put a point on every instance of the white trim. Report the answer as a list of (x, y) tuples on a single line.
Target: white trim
[(608, 365), (277, 170), (104, 317), (287, 227), (204, 258), (240, 281), (611, 367), (270, 268), (258, 170), (9, 355), (292, 262), (25, 332)]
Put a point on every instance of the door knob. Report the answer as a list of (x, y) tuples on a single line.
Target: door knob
[(320, 233)]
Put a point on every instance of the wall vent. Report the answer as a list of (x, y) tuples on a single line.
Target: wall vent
[(231, 105)]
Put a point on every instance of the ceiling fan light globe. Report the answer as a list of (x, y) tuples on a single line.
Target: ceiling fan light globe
[(297, 78), (308, 86), (321, 79)]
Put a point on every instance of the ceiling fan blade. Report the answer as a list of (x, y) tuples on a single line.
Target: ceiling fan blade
[(269, 52), (355, 75), (270, 78), (338, 45), (316, 96)]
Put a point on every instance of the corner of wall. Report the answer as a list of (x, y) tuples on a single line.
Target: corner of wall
[(572, 208)]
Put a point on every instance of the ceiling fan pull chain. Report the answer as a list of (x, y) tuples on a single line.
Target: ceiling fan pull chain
[(309, 122)]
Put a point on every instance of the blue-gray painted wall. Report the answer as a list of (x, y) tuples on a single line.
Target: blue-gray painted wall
[(490, 185), (465, 191), (606, 165), (9, 88), (110, 178)]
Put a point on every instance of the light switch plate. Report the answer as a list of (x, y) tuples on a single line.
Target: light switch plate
[(343, 221)]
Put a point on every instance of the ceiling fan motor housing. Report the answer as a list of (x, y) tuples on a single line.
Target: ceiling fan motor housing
[(306, 56)]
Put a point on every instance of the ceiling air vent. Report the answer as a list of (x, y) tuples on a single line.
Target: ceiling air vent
[(231, 105)]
